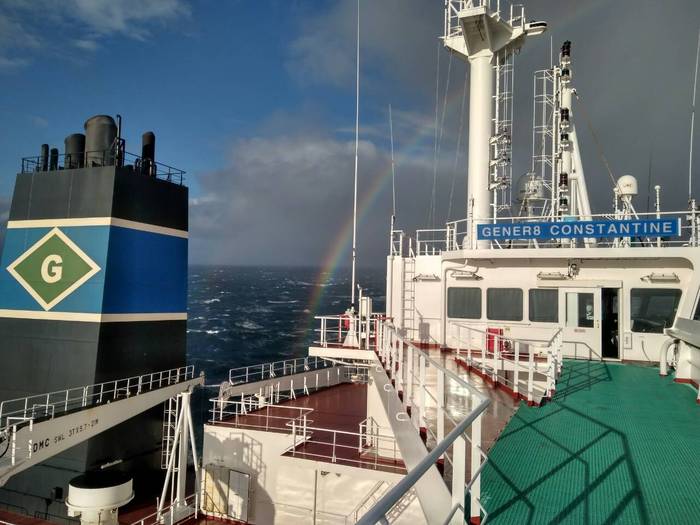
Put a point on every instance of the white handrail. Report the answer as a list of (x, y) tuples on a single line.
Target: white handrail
[(263, 371), (52, 404), (393, 353), (498, 358)]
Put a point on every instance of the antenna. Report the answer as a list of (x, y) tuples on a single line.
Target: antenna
[(393, 185), (357, 145), (692, 122), (393, 170)]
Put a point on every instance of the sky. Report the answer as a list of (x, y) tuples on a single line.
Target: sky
[(255, 100)]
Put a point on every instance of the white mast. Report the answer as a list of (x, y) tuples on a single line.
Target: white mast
[(692, 122), (477, 33), (357, 145)]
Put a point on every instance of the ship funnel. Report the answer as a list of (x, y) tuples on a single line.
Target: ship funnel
[(75, 151), (100, 134)]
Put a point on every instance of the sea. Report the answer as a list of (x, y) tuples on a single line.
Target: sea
[(240, 316)]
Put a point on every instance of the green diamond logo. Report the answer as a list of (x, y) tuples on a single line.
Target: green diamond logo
[(52, 269)]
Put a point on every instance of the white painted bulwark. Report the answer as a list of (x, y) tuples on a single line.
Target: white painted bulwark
[(286, 490)]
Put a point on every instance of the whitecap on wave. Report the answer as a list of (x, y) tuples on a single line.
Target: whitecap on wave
[(294, 301), (209, 301), (248, 325)]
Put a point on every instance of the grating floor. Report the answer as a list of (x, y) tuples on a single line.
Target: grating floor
[(617, 444)]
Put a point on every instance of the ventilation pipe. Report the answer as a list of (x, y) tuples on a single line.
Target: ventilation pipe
[(53, 159), (44, 158), (100, 135), (75, 151), (148, 153)]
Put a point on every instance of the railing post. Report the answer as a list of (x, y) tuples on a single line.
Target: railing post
[(334, 436), (408, 401), (440, 406), (399, 372), (469, 346), (548, 374), (496, 352), (516, 370), (421, 394), (459, 469), (530, 365), (474, 507)]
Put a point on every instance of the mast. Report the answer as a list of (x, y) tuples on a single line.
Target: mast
[(357, 145), (477, 33)]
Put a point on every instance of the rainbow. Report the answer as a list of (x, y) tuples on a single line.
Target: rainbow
[(340, 249)]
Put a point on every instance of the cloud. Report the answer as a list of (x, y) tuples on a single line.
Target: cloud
[(28, 28), (129, 17), (398, 37), (86, 45), (288, 200), (38, 122)]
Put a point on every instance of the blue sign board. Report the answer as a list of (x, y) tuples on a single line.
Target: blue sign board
[(579, 229)]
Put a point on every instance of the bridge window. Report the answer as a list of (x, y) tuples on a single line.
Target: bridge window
[(464, 303), (653, 309), (544, 305), (504, 304)]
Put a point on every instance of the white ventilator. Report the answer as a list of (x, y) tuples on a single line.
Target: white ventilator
[(96, 497)]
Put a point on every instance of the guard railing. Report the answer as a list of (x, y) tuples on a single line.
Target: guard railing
[(334, 329), (495, 355), (407, 365), (264, 371), (53, 404)]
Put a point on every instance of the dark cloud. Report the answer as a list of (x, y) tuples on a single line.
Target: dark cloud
[(285, 193), (287, 200), (284, 199)]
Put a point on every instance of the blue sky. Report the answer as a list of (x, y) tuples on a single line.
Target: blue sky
[(200, 76), (255, 100)]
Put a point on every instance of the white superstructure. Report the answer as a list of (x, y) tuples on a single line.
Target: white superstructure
[(390, 417)]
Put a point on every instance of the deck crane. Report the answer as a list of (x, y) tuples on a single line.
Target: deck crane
[(36, 428)]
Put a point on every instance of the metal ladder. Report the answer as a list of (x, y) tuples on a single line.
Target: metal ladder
[(501, 179), (170, 411), (409, 295)]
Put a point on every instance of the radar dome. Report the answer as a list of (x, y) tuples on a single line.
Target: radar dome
[(627, 185)]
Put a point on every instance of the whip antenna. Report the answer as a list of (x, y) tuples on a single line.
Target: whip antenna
[(692, 122), (357, 145)]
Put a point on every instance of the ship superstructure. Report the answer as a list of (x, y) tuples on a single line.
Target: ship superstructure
[(487, 310), (500, 330)]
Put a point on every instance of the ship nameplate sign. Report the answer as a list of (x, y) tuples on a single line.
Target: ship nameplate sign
[(53, 268), (579, 229)]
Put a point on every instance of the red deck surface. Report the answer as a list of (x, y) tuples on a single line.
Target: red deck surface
[(20, 519), (339, 408)]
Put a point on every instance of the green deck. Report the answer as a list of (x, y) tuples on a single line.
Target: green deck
[(617, 444)]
